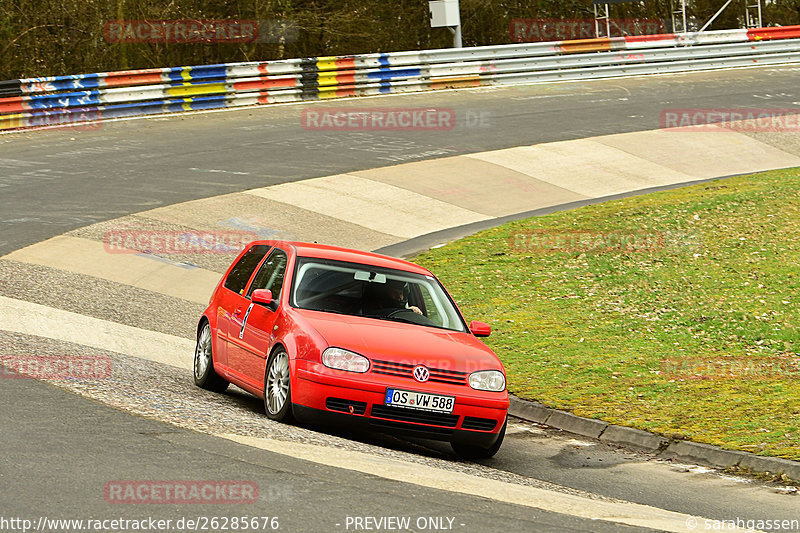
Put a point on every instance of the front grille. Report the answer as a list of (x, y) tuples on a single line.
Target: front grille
[(337, 404), (438, 375), (417, 417), (480, 424)]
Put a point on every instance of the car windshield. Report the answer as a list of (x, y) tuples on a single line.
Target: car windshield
[(373, 292)]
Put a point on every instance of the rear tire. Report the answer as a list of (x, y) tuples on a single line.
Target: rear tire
[(204, 375), (468, 451), (278, 387)]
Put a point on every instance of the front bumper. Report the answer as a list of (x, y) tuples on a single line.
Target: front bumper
[(322, 395)]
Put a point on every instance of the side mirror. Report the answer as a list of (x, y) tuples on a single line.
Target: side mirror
[(264, 297), (480, 329)]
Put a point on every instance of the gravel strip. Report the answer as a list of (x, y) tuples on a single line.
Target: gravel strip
[(168, 394), (788, 141), (99, 298)]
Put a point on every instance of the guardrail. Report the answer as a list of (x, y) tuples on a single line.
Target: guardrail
[(34, 102)]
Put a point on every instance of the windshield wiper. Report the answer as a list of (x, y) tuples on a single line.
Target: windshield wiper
[(392, 319)]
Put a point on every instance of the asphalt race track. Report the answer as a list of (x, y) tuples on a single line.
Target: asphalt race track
[(54, 181), (63, 448)]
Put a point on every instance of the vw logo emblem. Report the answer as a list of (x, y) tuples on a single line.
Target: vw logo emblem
[(421, 374)]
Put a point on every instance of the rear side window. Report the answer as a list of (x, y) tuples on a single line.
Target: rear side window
[(244, 268)]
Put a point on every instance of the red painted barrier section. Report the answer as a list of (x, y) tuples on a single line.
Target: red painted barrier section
[(650, 38), (768, 34)]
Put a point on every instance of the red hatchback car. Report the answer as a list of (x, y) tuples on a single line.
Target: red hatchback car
[(326, 334)]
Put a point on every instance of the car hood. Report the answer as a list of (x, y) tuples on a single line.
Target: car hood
[(403, 343)]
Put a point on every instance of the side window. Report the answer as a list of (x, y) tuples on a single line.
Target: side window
[(240, 274), (271, 274)]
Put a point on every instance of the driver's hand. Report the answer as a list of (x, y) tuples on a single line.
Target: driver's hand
[(415, 309)]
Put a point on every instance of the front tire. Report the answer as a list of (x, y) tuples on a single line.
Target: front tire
[(468, 451), (278, 387), (204, 375)]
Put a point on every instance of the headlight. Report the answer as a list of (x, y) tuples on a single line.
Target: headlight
[(345, 360), (491, 380)]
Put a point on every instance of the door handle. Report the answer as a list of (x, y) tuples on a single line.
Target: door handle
[(238, 312)]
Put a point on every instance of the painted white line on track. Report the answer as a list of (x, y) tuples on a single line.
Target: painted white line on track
[(28, 318), (632, 514)]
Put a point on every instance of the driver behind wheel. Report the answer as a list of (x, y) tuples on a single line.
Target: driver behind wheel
[(390, 297)]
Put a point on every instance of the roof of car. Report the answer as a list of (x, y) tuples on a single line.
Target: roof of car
[(335, 253)]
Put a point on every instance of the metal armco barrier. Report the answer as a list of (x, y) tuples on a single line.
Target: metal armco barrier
[(36, 102)]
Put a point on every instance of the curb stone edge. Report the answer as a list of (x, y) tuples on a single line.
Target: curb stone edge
[(704, 454)]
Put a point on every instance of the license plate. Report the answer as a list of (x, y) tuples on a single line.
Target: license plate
[(422, 401)]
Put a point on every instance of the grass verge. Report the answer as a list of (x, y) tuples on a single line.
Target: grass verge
[(675, 312)]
